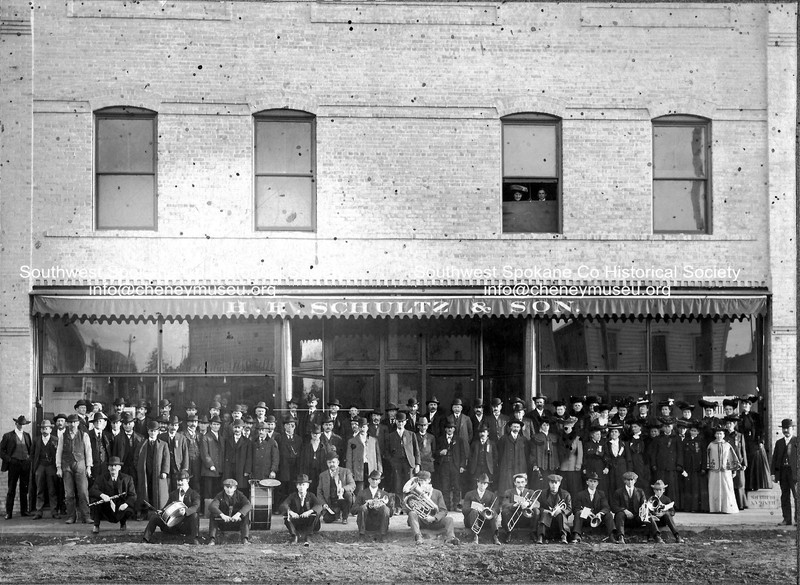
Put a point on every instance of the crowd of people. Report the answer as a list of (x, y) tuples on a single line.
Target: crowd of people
[(556, 472)]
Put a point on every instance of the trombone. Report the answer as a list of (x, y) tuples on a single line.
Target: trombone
[(486, 514), (524, 508)]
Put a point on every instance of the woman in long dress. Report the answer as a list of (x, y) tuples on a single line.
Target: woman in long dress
[(721, 462)]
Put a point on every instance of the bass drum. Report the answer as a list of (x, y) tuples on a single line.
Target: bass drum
[(173, 514), (261, 500)]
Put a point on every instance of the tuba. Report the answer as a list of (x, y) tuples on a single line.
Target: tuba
[(415, 498), (486, 514)]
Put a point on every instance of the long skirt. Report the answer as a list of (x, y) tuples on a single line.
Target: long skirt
[(721, 495), (757, 474)]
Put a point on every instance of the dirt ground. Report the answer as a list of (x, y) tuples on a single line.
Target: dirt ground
[(711, 556)]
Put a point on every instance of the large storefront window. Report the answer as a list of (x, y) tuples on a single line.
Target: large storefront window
[(684, 359)]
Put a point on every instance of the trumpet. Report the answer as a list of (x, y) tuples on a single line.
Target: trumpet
[(486, 514), (524, 508), (416, 499), (375, 503), (559, 508)]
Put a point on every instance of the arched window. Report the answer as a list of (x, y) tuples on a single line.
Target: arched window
[(531, 173), (125, 169), (285, 170), (681, 174)]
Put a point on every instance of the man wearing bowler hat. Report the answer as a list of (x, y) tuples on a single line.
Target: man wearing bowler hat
[(189, 523), (591, 506), (43, 470), (477, 502), (152, 470), (15, 449), (402, 450), (101, 444), (412, 412), (373, 508), (784, 468), (178, 450), (113, 496), (303, 511), (266, 453), (335, 490), (81, 407), (74, 466), (363, 455)]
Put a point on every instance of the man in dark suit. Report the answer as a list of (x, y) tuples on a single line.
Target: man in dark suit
[(15, 449), (436, 418), (625, 504), (43, 470), (539, 412), (113, 496), (373, 508), (555, 508), (303, 511), (784, 468), (178, 451), (190, 521), (403, 453), (101, 444), (477, 416), (127, 444), (451, 463), (496, 421), (363, 456), (335, 490), (475, 503), (229, 510), (591, 503), (483, 455)]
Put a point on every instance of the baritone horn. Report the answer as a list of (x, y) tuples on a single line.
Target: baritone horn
[(486, 514), (416, 499)]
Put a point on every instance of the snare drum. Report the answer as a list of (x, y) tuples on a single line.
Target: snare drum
[(261, 500), (172, 514)]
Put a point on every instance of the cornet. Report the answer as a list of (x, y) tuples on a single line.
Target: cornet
[(527, 510), (559, 508), (375, 503), (486, 514)]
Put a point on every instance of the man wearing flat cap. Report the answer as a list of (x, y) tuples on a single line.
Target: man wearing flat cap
[(625, 505), (43, 470), (266, 453), (476, 503), (373, 508), (335, 490), (113, 496), (302, 511), (74, 466), (15, 449), (402, 450), (784, 468), (555, 507), (189, 517), (436, 519), (230, 510), (152, 470), (363, 455)]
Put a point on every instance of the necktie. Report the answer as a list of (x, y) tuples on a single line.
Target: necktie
[(180, 495), (100, 448)]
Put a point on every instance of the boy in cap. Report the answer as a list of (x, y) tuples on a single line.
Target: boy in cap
[(335, 490), (373, 508), (190, 518), (784, 468), (436, 519), (302, 510), (475, 503), (15, 449), (515, 500), (230, 510), (113, 496), (664, 510), (625, 504), (43, 470), (555, 508), (591, 505)]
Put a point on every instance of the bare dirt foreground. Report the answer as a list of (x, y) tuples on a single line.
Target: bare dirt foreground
[(711, 556)]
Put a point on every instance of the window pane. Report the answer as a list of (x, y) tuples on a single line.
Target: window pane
[(679, 206), (679, 152), (692, 388), (355, 341), (228, 390), (225, 345), (61, 393), (503, 345), (404, 340), (530, 216), (740, 342), (125, 145), (529, 150), (284, 202), (446, 386), (284, 148), (592, 345), (103, 348), (450, 340), (359, 389), (125, 201), (303, 386), (307, 347), (405, 385)]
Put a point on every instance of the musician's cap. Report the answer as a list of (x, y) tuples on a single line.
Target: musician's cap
[(570, 420), (230, 482), (554, 477), (482, 478), (114, 461), (215, 404), (182, 475), (457, 402), (302, 478), (401, 416), (152, 425), (412, 402), (424, 474), (592, 475), (119, 401), (99, 416), (363, 421), (497, 402), (708, 403), (45, 423), (659, 485), (70, 418), (422, 421), (522, 475), (391, 406), (630, 475), (260, 405), (433, 400), (730, 402), (125, 417), (748, 398), (375, 474), (215, 419), (334, 402), (260, 425), (787, 423)]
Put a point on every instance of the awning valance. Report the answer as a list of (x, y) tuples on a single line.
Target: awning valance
[(179, 308)]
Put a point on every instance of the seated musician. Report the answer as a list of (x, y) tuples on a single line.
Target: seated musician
[(475, 504), (591, 505), (373, 508), (520, 508), (230, 510), (625, 505), (303, 511), (435, 518), (335, 490), (113, 497), (662, 514), (189, 523), (556, 507)]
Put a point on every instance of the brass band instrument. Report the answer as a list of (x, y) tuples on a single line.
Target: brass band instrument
[(560, 507), (376, 503), (651, 508), (595, 519), (416, 499), (486, 514), (527, 510)]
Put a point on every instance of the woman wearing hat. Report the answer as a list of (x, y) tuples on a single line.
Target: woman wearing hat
[(15, 448), (721, 461), (752, 429)]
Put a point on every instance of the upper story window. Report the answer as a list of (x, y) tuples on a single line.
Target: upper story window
[(285, 170), (681, 174), (125, 169), (531, 173)]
